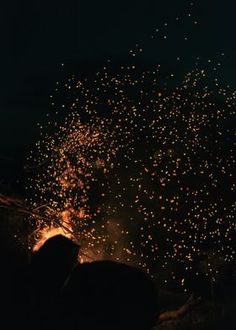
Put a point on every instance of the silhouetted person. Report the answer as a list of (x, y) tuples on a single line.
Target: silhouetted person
[(108, 295), (52, 263), (48, 270)]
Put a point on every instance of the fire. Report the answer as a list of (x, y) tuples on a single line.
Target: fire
[(48, 232), (85, 255), (64, 228)]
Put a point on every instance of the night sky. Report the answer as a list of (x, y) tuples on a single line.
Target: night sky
[(38, 36)]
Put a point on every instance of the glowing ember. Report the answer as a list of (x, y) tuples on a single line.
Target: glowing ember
[(169, 199), (140, 171)]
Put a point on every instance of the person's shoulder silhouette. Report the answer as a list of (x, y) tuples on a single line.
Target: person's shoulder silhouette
[(109, 295)]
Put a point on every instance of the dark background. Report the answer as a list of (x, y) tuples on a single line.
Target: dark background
[(38, 36)]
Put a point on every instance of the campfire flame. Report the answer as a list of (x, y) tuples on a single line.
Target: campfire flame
[(47, 233)]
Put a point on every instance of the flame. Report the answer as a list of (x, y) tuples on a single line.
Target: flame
[(48, 232), (86, 255)]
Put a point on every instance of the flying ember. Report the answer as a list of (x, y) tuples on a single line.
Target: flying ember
[(139, 172)]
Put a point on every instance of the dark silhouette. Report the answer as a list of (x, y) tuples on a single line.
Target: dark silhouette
[(49, 268), (108, 295), (60, 293), (52, 263)]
